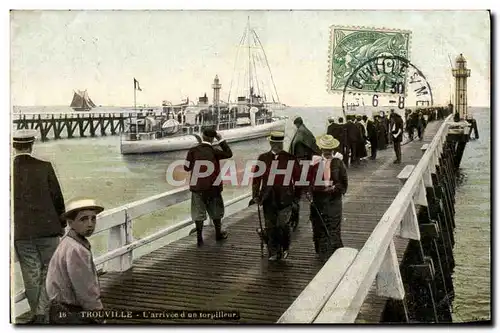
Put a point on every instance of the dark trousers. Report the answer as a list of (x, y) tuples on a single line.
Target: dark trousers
[(420, 131), (397, 150), (326, 218), (374, 146), (411, 131), (294, 218), (354, 153), (277, 227), (345, 152)]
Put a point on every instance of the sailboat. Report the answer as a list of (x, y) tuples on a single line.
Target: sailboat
[(249, 116), (81, 101)]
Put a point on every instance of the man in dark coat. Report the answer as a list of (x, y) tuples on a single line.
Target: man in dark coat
[(397, 135), (353, 139), (421, 124), (206, 186), (361, 147), (372, 129), (386, 124), (328, 182), (277, 196), (303, 146), (337, 131), (38, 205)]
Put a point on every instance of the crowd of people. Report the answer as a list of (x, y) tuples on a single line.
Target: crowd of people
[(58, 268), (327, 158)]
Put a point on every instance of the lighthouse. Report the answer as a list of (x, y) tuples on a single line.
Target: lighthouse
[(216, 87), (461, 73)]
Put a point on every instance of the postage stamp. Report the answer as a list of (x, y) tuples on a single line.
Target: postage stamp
[(392, 81), (352, 46)]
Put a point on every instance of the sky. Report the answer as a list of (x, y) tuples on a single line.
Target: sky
[(176, 54)]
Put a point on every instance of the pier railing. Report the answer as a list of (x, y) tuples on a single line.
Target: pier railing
[(118, 223), (337, 292)]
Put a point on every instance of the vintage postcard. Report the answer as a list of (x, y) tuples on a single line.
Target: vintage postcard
[(194, 167)]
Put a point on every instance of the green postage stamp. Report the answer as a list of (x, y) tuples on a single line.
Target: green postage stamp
[(351, 47)]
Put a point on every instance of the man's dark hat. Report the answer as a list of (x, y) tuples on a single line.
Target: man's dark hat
[(210, 132), (298, 120), (24, 136)]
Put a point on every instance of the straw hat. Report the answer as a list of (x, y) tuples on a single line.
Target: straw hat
[(326, 141), (24, 136), (276, 136), (81, 204)]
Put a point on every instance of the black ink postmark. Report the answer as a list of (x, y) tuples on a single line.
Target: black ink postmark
[(385, 82)]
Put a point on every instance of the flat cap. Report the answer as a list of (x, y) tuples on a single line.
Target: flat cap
[(210, 132), (24, 136)]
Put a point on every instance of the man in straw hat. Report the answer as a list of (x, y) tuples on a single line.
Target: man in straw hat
[(38, 204), (203, 161), (275, 191), (72, 282), (327, 184)]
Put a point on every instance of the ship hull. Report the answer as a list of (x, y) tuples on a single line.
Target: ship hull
[(82, 109), (187, 141)]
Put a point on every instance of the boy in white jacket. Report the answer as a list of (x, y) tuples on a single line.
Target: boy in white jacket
[(72, 282)]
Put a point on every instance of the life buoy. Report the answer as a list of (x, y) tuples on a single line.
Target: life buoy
[(171, 127)]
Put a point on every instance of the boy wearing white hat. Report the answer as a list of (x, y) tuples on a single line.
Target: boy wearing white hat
[(72, 282), (38, 203)]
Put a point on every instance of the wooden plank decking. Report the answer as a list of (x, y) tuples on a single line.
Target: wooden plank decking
[(233, 276)]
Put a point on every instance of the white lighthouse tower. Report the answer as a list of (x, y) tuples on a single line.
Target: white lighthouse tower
[(461, 73), (216, 87)]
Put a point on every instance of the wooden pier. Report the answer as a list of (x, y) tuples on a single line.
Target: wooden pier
[(75, 124), (395, 267)]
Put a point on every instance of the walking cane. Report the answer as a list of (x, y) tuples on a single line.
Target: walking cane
[(261, 233), (322, 221), (260, 230)]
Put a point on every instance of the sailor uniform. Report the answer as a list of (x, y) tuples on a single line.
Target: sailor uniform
[(38, 204)]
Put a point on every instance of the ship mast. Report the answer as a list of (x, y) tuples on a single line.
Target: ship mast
[(249, 63)]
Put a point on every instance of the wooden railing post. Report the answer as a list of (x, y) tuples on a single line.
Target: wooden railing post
[(389, 282), (119, 236)]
